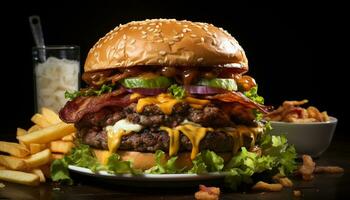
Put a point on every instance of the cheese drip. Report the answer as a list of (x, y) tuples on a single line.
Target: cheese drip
[(117, 131), (239, 133), (166, 103), (174, 141), (195, 134)]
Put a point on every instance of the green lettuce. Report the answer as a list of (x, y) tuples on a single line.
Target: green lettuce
[(163, 167), (253, 95), (81, 156), (89, 92), (59, 171), (177, 91), (278, 148), (207, 161), (276, 155), (116, 166)]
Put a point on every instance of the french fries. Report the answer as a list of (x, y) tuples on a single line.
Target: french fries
[(55, 156), (40, 120), (14, 163), (34, 128), (69, 138), (21, 131), (29, 161), (50, 116), (61, 146), (35, 148), (38, 159), (13, 149), (19, 177), (51, 133), (39, 173)]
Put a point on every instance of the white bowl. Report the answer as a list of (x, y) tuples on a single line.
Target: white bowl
[(311, 138)]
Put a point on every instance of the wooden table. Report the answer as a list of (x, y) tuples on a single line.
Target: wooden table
[(322, 187)]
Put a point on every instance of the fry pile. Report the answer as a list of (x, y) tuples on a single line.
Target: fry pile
[(28, 162), (290, 111)]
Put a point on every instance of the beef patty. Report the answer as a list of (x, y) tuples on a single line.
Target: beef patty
[(151, 139), (91, 128)]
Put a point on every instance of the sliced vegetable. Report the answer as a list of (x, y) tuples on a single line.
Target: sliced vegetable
[(195, 89), (142, 82), (223, 83)]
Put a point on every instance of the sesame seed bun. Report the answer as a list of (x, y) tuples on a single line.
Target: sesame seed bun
[(163, 42)]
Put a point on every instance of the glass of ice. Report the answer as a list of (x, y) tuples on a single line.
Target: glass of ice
[(56, 69)]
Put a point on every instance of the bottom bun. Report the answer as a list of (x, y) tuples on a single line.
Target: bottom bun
[(145, 161)]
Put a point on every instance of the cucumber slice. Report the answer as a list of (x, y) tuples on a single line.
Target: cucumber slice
[(139, 82), (224, 83)]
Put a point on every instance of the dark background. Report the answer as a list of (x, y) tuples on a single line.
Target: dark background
[(294, 51)]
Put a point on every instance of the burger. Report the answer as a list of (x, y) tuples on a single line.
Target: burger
[(170, 96)]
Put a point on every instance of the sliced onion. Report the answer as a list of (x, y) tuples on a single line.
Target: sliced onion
[(147, 91), (194, 89)]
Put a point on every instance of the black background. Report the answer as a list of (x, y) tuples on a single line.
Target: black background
[(294, 51)]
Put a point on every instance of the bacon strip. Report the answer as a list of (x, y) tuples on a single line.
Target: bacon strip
[(74, 110), (240, 98)]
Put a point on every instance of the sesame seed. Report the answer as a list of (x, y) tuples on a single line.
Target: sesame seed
[(124, 37), (193, 35), (200, 59), (140, 27), (186, 30), (163, 53), (144, 36), (152, 24), (186, 26), (143, 32), (157, 34), (160, 40), (157, 26), (160, 61), (171, 42), (132, 41), (150, 30)]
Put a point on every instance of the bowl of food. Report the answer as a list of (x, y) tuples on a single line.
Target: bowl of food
[(308, 129)]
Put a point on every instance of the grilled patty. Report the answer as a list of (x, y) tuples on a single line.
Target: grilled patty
[(150, 140), (91, 128)]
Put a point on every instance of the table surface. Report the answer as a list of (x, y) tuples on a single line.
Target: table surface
[(325, 186)]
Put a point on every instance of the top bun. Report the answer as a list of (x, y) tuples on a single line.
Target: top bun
[(163, 42)]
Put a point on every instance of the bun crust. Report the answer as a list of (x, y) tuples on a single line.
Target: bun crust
[(145, 161), (162, 42)]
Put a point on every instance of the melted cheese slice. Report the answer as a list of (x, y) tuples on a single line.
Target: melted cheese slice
[(174, 141), (166, 103), (117, 131), (239, 133), (195, 134)]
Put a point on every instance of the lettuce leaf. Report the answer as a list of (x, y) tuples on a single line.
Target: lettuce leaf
[(207, 161), (162, 167), (59, 171), (115, 165), (284, 154), (81, 156), (89, 92), (276, 155), (253, 95), (177, 91)]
